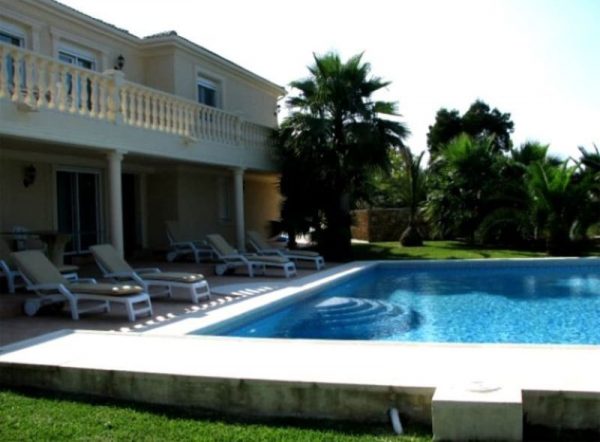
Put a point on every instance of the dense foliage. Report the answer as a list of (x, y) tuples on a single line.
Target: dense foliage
[(336, 151), (328, 147), (478, 121)]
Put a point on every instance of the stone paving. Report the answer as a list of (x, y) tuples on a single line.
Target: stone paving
[(15, 326)]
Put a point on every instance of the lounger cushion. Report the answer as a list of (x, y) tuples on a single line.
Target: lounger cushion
[(105, 289), (268, 259), (173, 277), (306, 253), (67, 269)]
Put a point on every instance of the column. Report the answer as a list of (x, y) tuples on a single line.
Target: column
[(238, 190), (115, 198)]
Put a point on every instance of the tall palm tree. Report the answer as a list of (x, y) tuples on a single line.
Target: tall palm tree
[(334, 137)]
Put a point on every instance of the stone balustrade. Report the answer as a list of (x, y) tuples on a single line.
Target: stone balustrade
[(36, 82)]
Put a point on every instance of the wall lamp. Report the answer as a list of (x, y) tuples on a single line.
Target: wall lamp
[(120, 63), (29, 175)]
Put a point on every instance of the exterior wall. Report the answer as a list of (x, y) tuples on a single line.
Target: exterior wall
[(159, 71), (162, 205), (262, 203), (235, 95), (30, 207)]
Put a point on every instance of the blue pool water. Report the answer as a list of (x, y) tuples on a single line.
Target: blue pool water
[(471, 305)]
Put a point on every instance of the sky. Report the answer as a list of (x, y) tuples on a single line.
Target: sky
[(538, 60)]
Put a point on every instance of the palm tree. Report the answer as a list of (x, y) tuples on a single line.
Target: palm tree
[(333, 139), (414, 195), (561, 200)]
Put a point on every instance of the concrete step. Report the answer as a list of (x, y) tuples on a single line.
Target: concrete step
[(477, 412)]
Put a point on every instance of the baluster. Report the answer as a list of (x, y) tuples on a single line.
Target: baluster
[(169, 114), (41, 83), (124, 106), (52, 88), (3, 72), (74, 96), (62, 89), (161, 114), (181, 120), (147, 111), (140, 108), (93, 96), (102, 91), (84, 95), (29, 82), (17, 76), (176, 118), (132, 107), (155, 122)]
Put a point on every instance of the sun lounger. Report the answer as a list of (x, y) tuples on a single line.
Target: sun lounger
[(230, 258), (42, 277), (114, 267), (12, 274), (261, 246), (178, 246)]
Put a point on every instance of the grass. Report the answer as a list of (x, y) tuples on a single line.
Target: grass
[(436, 250), (28, 416)]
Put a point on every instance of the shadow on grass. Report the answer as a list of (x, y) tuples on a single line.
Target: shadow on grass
[(413, 431)]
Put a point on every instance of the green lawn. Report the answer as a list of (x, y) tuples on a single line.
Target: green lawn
[(435, 250), (30, 417)]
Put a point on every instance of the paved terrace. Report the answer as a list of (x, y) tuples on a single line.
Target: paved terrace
[(15, 326)]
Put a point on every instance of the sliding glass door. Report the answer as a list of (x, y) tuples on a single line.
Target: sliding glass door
[(78, 208)]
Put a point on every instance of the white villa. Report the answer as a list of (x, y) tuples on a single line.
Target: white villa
[(108, 136)]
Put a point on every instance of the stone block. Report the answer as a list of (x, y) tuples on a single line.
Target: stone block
[(477, 413)]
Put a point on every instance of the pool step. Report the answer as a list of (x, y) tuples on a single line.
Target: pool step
[(356, 311)]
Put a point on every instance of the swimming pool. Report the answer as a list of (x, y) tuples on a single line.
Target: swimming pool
[(542, 302)]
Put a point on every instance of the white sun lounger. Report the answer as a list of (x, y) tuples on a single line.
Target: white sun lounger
[(230, 258), (183, 247), (12, 274), (114, 267), (261, 246), (43, 278)]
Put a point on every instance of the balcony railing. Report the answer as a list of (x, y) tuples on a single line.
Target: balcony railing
[(34, 81)]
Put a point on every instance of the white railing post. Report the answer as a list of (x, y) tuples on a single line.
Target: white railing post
[(41, 83), (29, 89), (115, 83), (17, 75), (3, 71)]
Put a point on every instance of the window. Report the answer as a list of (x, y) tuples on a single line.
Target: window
[(11, 39), (207, 92), (77, 60), (85, 62), (78, 208), (15, 40)]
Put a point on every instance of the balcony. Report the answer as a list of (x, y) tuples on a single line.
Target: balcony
[(45, 99)]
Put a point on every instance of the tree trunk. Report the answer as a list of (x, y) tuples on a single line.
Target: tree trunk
[(411, 237), (337, 237)]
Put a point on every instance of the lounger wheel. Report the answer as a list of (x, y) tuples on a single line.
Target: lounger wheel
[(171, 256), (220, 269), (31, 307)]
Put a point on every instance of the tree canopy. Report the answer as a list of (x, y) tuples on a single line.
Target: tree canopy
[(479, 121), (334, 138)]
